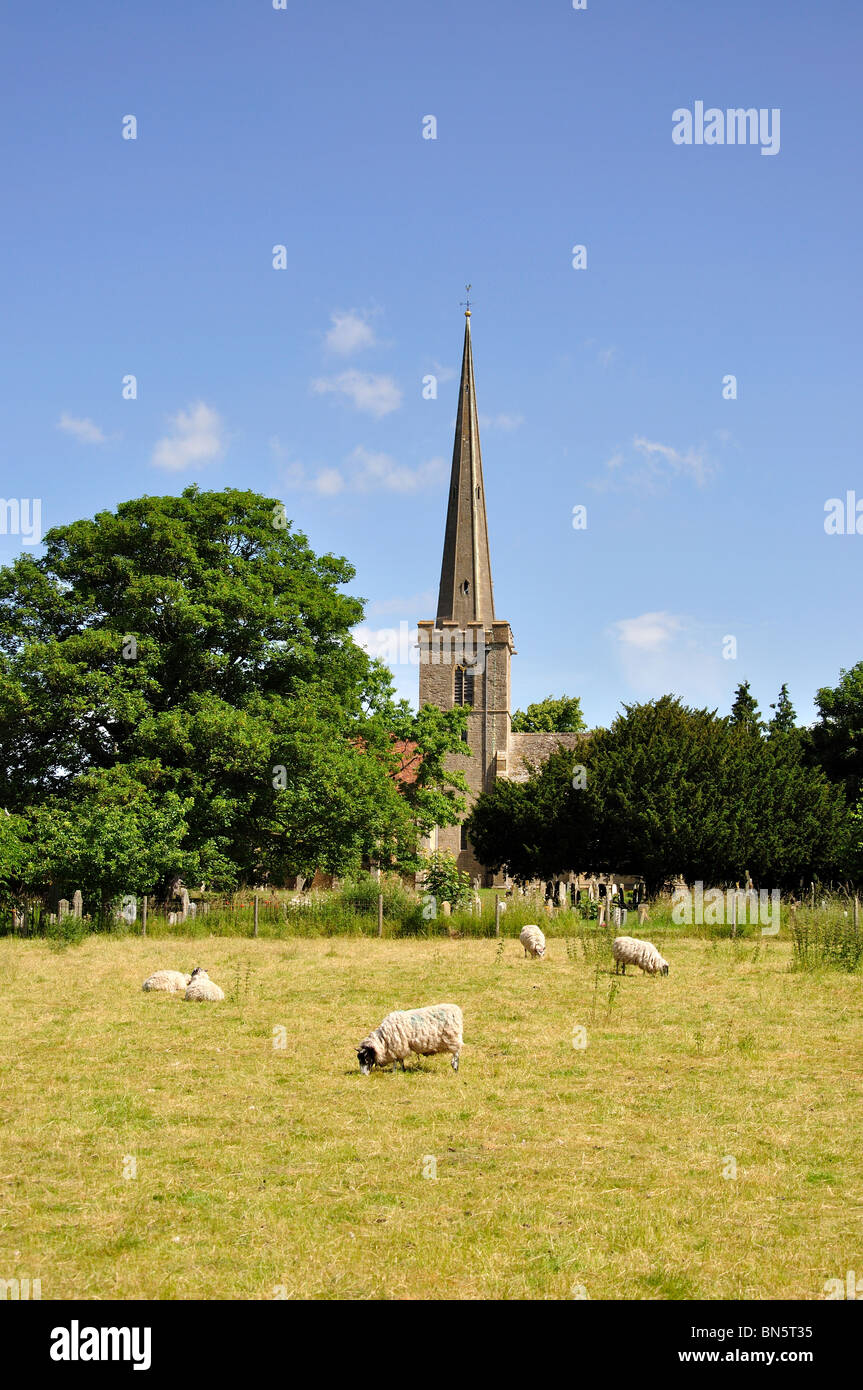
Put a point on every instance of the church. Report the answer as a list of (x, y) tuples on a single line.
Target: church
[(466, 651)]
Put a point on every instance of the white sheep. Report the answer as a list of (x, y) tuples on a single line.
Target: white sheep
[(628, 950), (436, 1028), (169, 981), (533, 941), (201, 987)]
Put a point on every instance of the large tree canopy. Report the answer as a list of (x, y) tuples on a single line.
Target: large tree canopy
[(668, 790), (183, 671), (837, 736), (552, 715)]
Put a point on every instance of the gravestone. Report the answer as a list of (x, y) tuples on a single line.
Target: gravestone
[(445, 909), (77, 903), (184, 903), (63, 908)]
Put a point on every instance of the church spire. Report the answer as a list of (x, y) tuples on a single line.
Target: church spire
[(466, 593)]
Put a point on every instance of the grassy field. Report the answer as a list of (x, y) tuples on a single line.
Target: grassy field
[(561, 1171)]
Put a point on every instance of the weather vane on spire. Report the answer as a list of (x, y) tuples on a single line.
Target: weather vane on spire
[(466, 303)]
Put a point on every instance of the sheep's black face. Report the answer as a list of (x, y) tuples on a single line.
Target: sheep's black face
[(198, 970), (665, 969), (366, 1059)]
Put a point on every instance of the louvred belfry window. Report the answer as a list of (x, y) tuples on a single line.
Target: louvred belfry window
[(464, 686)]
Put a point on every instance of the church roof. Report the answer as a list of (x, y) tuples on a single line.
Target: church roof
[(466, 593)]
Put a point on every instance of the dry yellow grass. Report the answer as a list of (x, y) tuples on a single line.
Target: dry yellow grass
[(262, 1169)]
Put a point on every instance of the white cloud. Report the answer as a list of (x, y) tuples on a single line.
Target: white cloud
[(663, 458), (665, 653), (376, 395), (196, 439), (648, 633), (381, 471), (651, 467), (443, 373), (500, 422), (605, 356), (83, 430), (397, 646), (365, 471), (350, 332)]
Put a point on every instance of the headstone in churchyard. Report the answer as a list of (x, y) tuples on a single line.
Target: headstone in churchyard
[(184, 903), (172, 919), (77, 903), (193, 908), (642, 913), (63, 908), (445, 909), (129, 908)]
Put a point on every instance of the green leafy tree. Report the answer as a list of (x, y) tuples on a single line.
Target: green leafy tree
[(784, 720), (196, 645), (445, 881), (111, 836), (744, 710), (555, 716), (837, 735), (668, 790), (14, 856), (538, 827)]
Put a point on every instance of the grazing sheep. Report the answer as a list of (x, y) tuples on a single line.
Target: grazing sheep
[(436, 1028), (201, 987), (169, 981), (533, 941), (628, 950)]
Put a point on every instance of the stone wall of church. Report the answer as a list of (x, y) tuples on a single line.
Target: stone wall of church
[(535, 749)]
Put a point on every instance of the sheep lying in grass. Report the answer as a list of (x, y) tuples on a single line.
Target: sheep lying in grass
[(169, 981), (533, 941), (628, 950), (437, 1028), (201, 987)]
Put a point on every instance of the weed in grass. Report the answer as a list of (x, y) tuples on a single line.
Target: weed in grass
[(613, 990), (240, 988)]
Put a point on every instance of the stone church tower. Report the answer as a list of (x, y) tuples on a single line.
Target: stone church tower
[(465, 652)]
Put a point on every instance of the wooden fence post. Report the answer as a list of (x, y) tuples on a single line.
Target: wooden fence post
[(380, 914), (144, 916), (256, 914)]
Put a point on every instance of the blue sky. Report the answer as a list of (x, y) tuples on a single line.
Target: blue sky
[(600, 387)]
